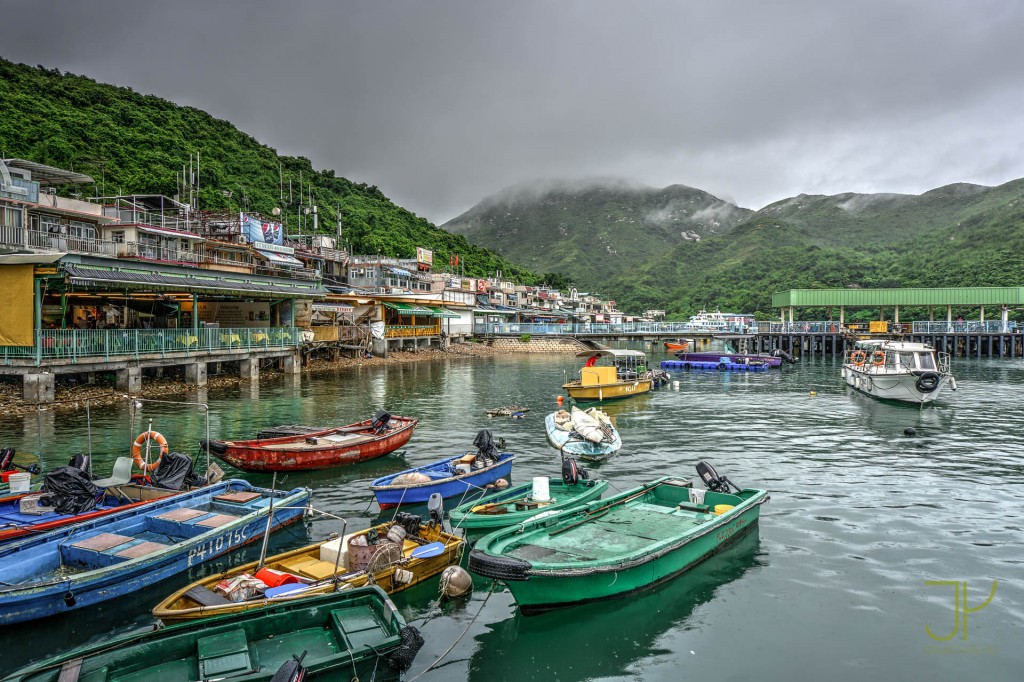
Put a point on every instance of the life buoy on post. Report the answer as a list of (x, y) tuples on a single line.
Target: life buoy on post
[(137, 450), (858, 357), (878, 358)]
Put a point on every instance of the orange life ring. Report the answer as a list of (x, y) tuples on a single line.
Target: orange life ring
[(858, 357), (878, 358), (137, 450)]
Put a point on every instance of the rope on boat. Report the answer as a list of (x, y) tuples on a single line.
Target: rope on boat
[(459, 639)]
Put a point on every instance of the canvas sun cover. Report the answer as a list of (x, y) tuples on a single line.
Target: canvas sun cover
[(17, 311)]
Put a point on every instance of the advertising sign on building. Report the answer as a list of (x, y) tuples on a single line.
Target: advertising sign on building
[(467, 285), (424, 256), (235, 315), (256, 230)]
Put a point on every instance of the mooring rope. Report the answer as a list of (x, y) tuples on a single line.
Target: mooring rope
[(459, 639)]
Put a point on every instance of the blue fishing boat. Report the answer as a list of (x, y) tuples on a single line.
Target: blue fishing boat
[(723, 364), (92, 562), (461, 475)]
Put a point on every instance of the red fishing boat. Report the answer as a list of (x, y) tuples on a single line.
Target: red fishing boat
[(303, 448)]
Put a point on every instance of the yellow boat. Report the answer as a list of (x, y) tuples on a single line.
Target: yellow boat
[(625, 376), (389, 565)]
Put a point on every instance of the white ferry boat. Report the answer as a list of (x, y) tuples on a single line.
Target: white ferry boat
[(897, 370)]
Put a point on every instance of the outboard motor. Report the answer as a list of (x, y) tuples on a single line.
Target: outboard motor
[(6, 455), (712, 481), (435, 506), (81, 461), (380, 421), (291, 671), (486, 453), (572, 473)]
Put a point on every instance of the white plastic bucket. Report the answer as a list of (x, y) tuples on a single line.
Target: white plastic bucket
[(20, 482), (540, 489)]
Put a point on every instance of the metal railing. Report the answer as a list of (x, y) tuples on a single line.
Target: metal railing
[(798, 327), (115, 344), (968, 327), (599, 328), (160, 253), (11, 235), (53, 241)]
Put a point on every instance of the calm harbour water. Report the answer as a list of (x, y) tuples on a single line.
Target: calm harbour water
[(832, 585)]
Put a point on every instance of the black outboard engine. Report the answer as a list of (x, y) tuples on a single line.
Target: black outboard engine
[(82, 462), (572, 473), (291, 671), (486, 453), (380, 421), (435, 506), (712, 481)]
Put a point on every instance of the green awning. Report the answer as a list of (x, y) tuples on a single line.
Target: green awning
[(443, 312), (409, 309)]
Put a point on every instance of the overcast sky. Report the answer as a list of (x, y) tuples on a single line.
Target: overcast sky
[(442, 102)]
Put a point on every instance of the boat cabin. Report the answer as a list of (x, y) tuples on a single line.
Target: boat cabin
[(618, 365)]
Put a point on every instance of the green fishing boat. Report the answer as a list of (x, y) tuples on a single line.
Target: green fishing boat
[(344, 635), (619, 545), (520, 503)]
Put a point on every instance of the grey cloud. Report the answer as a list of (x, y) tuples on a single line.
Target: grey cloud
[(443, 103)]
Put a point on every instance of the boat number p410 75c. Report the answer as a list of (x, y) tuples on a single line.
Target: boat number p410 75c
[(218, 545)]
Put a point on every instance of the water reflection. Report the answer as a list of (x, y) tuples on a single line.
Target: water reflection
[(605, 639)]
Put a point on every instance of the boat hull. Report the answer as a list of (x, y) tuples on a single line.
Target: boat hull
[(290, 453), (443, 482), (180, 607), (343, 634), (108, 575), (583, 449), (613, 391), (563, 497), (612, 549), (898, 387), (736, 358)]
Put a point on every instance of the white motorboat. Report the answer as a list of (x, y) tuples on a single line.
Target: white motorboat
[(897, 370)]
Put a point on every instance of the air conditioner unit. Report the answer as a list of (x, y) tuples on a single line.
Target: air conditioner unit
[(51, 190)]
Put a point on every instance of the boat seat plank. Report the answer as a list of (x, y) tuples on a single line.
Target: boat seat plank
[(182, 514), (102, 542), (141, 549), (71, 671), (318, 643), (237, 498), (325, 441), (216, 520), (184, 669), (206, 597), (223, 653)]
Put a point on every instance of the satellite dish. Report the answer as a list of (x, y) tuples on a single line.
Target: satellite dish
[(276, 211)]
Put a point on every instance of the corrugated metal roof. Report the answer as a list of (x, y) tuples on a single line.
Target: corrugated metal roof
[(93, 277), (892, 297)]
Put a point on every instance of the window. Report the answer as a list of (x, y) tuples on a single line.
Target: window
[(117, 237), (81, 230), (50, 224), (927, 361), (12, 217)]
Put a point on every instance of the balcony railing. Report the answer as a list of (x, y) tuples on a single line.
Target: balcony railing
[(160, 253), (968, 327), (405, 331), (114, 344)]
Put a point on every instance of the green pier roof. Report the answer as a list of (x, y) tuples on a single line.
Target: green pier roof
[(798, 298)]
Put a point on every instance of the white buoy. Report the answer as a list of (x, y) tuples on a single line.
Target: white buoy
[(540, 489), (675, 385), (455, 581)]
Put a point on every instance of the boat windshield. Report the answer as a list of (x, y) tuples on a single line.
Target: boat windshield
[(926, 360)]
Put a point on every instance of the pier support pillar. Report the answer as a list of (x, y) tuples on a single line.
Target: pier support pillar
[(292, 364), (38, 388), (379, 348), (129, 379), (195, 374), (249, 370)]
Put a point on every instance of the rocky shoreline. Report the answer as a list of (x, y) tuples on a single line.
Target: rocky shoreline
[(74, 396)]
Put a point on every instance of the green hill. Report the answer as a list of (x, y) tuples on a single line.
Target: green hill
[(137, 143), (959, 235), (593, 230)]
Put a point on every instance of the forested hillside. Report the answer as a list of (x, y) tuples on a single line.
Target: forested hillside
[(138, 143), (593, 230)]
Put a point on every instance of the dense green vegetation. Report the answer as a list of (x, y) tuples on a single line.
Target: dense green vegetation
[(951, 236), (138, 143), (596, 230)]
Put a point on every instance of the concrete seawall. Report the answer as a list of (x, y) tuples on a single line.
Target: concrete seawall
[(537, 345)]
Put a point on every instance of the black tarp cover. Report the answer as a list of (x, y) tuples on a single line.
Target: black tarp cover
[(69, 491), (175, 472)]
